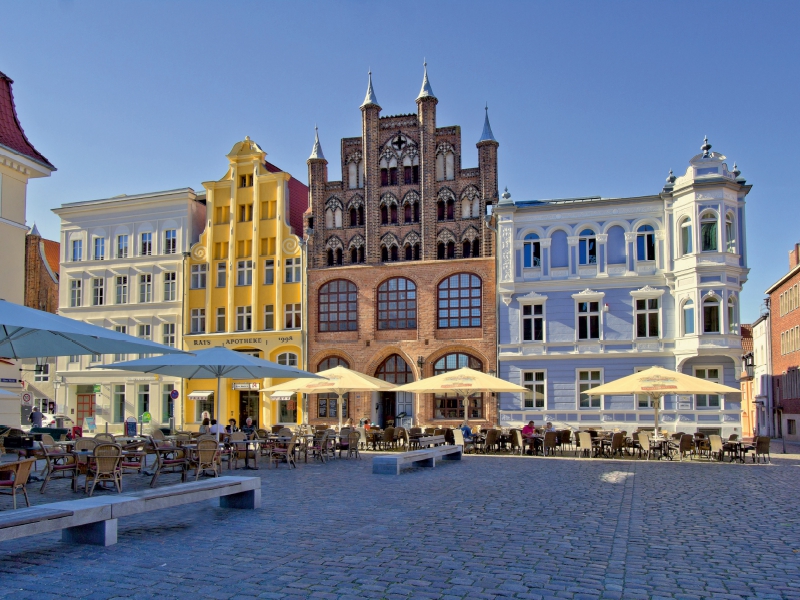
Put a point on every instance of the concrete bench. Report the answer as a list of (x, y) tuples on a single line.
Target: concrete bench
[(94, 520), (430, 440), (392, 463)]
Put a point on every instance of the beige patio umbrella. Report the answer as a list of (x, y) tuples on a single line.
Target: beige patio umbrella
[(465, 382), (657, 382), (338, 380)]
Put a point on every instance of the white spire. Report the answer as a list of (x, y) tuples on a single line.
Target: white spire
[(487, 135), (427, 90), (370, 97), (34, 231), (316, 152)]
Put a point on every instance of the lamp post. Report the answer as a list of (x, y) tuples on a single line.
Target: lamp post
[(304, 308), (487, 219), (421, 366)]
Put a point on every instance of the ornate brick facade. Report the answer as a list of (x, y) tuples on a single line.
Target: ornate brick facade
[(41, 272), (405, 208)]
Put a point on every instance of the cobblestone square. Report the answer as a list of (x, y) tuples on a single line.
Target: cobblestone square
[(484, 527)]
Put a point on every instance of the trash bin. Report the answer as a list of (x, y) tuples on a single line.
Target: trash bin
[(60, 422)]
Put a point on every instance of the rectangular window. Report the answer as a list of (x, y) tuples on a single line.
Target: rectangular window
[(221, 325), (532, 322), (146, 247), (122, 246), (198, 320), (145, 334), (143, 404), (42, 372), (120, 329), (95, 358), (98, 291), (119, 404), (586, 381), (122, 289), (588, 320), (534, 382), (293, 316), (647, 318), (244, 272), (74, 358), (222, 271), (145, 288), (293, 270), (168, 331), (269, 272), (170, 241), (244, 318), (269, 317), (75, 292), (245, 212), (688, 318), (99, 248), (642, 400), (77, 250), (170, 286), (221, 215), (710, 374), (167, 403), (198, 277), (791, 426)]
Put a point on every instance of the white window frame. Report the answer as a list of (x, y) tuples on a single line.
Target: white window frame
[(98, 291), (244, 272), (118, 403), (170, 286), (221, 319), (585, 238), (146, 243), (244, 318), (646, 235), (636, 397), (732, 316), (287, 359), (222, 274), (171, 241), (43, 374), (296, 319), (528, 251), (168, 334), (198, 276), (145, 288), (591, 398), (719, 315), (77, 244), (120, 329), (589, 296), (122, 246), (716, 219), (685, 223), (720, 379), (197, 320), (647, 293), (269, 271), (539, 301), (121, 295), (730, 236), (293, 270), (101, 242), (269, 313), (75, 292), (532, 389)]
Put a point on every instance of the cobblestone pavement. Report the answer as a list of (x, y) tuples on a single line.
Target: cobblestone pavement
[(484, 527)]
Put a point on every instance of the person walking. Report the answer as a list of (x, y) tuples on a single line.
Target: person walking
[(35, 417)]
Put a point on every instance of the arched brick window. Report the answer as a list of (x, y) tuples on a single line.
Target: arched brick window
[(460, 301), (395, 370), (326, 403), (397, 304), (450, 405), (338, 306)]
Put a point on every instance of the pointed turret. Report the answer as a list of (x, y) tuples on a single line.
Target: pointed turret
[(370, 99), (316, 152), (487, 135), (427, 90), (34, 231)]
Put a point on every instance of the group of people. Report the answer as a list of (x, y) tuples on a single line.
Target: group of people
[(529, 437), (210, 425)]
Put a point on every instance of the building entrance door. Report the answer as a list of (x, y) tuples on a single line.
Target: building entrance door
[(248, 406), (85, 407), (388, 400)]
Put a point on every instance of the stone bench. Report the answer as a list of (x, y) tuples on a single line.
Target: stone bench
[(430, 440), (392, 463), (94, 520)]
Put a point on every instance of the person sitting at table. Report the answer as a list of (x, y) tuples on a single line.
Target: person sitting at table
[(466, 431), (216, 427), (205, 427), (549, 427), (529, 435), (249, 428), (231, 426)]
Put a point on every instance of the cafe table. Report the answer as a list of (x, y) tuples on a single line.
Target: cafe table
[(246, 444)]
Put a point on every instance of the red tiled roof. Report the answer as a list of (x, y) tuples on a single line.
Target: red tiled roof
[(747, 338), (52, 252), (298, 200), (11, 134)]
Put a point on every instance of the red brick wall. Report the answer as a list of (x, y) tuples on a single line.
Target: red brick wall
[(788, 362), (41, 292)]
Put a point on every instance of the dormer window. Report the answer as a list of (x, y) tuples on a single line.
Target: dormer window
[(587, 248), (531, 251), (646, 243), (245, 181), (708, 232)]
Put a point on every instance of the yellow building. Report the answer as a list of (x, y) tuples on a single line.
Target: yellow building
[(244, 286)]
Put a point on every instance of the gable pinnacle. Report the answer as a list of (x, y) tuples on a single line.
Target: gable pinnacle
[(487, 135), (427, 90), (706, 147), (370, 99), (316, 152)]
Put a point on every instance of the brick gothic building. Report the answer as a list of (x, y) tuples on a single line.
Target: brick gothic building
[(401, 269), (41, 271)]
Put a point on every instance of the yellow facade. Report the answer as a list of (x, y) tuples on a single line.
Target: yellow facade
[(249, 298)]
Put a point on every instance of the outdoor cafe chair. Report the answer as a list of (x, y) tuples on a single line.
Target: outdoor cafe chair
[(550, 443), (48, 440), (430, 430), (490, 443), (761, 448), (105, 437), (169, 459), (352, 446), (157, 434), (61, 464), (134, 455), (644, 444), (565, 438), (18, 473), (344, 440), (316, 448), (278, 455), (617, 444), (415, 431), (388, 438), (516, 442), (206, 458), (285, 432), (104, 466), (585, 443), (716, 449), (686, 446), (403, 439)]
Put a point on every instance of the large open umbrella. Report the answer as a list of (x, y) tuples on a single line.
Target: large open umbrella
[(658, 382), (338, 380), (212, 363), (465, 382), (7, 394), (30, 333)]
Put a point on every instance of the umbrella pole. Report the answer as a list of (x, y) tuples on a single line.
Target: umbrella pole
[(219, 400), (656, 403), (339, 411)]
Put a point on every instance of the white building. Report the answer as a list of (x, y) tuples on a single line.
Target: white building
[(762, 376), (122, 262)]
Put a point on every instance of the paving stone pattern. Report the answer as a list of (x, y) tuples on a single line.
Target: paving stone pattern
[(486, 527)]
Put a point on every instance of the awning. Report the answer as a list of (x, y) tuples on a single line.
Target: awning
[(200, 395), (284, 395)]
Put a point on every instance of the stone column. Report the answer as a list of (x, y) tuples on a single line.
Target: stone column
[(545, 246), (574, 259), (602, 253), (630, 241)]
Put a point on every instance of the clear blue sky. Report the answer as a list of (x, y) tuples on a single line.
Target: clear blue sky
[(585, 98)]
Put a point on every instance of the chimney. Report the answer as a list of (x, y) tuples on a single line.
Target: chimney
[(794, 256)]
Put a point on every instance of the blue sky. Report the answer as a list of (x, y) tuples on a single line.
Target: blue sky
[(585, 98)]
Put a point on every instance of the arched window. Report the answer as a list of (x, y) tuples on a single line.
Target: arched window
[(393, 253), (397, 304), (686, 236), (440, 250), (361, 254), (339, 256), (587, 248), (393, 214), (531, 251), (688, 317), (287, 359), (384, 215), (450, 405), (708, 232), (466, 249), (338, 306), (466, 208), (459, 301), (384, 254), (352, 176), (327, 403), (711, 315), (333, 217), (451, 249), (645, 243), (353, 255), (449, 166), (733, 317), (476, 248), (416, 251), (353, 217), (730, 233), (395, 370), (329, 257), (408, 214)]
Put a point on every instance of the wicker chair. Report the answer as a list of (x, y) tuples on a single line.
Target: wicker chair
[(403, 439), (686, 446), (157, 435), (491, 441), (206, 458), (717, 450), (104, 466), (585, 443), (20, 470), (565, 438), (134, 457), (105, 437), (761, 449), (286, 455), (550, 443), (617, 444), (262, 434), (388, 438), (48, 440), (517, 446), (60, 464), (644, 444), (170, 459), (352, 446), (317, 447)]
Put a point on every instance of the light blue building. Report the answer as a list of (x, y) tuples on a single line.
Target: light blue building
[(593, 289)]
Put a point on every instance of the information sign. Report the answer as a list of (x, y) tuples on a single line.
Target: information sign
[(130, 426), (146, 417), (89, 424)]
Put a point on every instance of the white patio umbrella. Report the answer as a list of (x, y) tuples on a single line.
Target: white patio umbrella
[(30, 333), (213, 363)]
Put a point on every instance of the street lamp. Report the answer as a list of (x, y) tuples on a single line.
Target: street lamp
[(304, 300)]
